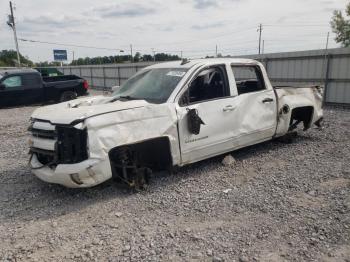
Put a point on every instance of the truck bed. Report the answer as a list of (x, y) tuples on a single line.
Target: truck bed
[(290, 97), (49, 79)]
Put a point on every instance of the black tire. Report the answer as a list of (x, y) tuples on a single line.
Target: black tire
[(288, 138), (68, 95)]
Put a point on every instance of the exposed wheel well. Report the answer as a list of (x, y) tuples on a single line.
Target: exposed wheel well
[(301, 114), (153, 153)]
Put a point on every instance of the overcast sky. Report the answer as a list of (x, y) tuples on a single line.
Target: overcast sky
[(192, 26)]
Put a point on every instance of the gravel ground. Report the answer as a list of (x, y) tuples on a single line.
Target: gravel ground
[(277, 202)]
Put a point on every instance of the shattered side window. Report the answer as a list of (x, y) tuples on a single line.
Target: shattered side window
[(244, 73), (209, 84), (153, 85), (248, 79)]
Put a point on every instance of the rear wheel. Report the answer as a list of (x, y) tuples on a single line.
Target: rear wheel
[(68, 95), (288, 138)]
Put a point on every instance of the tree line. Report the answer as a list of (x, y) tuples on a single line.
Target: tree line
[(124, 58), (9, 58)]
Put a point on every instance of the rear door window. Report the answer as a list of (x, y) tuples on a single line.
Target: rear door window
[(248, 79)]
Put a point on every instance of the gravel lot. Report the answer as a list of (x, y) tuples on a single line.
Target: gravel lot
[(277, 202)]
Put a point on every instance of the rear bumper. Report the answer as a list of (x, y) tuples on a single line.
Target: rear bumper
[(87, 173)]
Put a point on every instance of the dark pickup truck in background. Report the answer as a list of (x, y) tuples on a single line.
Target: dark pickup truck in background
[(27, 86)]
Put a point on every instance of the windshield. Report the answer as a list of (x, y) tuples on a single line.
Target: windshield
[(153, 85)]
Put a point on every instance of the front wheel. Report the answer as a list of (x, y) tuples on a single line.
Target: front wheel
[(68, 95)]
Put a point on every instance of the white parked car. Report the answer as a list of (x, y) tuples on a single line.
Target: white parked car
[(168, 114)]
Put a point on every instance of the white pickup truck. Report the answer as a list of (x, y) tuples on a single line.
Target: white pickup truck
[(167, 115)]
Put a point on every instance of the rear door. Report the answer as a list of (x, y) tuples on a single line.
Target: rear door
[(255, 103), (12, 94)]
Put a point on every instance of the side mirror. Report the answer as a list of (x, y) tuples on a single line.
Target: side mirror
[(184, 100), (2, 87), (194, 121)]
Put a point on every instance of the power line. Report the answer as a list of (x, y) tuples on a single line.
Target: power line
[(228, 33), (188, 41), (83, 46), (113, 49), (198, 51), (194, 51), (203, 39), (296, 25)]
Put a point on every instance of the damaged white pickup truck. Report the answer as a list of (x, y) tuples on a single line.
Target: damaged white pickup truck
[(169, 114)]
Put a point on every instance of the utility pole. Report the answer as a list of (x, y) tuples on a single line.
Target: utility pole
[(326, 71), (181, 55), (11, 22), (154, 55), (263, 47), (326, 53), (73, 58), (216, 50), (260, 30), (131, 53)]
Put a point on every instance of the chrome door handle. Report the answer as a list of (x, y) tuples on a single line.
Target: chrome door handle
[(228, 108), (267, 100)]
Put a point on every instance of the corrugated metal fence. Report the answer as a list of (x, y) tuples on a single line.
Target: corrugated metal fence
[(329, 68), (104, 76)]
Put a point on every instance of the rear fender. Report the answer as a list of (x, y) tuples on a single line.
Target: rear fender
[(288, 102)]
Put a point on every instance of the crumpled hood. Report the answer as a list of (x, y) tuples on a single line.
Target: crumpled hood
[(82, 108)]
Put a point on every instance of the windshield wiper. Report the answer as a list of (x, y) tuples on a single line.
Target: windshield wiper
[(124, 97), (129, 98)]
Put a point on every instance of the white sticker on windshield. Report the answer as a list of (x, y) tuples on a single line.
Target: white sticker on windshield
[(176, 73)]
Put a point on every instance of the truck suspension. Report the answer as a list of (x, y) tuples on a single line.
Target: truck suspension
[(127, 169)]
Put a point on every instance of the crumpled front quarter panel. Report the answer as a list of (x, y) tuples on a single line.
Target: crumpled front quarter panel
[(131, 126)]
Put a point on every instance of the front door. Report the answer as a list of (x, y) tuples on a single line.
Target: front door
[(12, 92), (206, 103)]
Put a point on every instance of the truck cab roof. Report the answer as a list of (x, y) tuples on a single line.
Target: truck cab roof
[(21, 71), (202, 62)]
